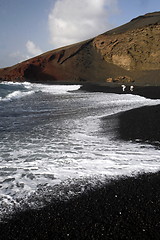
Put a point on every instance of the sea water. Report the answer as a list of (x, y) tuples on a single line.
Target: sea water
[(56, 135)]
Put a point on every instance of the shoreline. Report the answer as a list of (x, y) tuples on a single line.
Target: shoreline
[(124, 208), (138, 124), (147, 91), (152, 92), (141, 123), (127, 208)]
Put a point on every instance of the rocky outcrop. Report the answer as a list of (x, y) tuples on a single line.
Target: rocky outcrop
[(138, 49), (128, 54), (120, 79)]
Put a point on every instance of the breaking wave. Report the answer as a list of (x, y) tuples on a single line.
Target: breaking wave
[(10, 90)]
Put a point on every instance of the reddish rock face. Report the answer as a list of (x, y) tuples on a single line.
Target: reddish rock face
[(129, 53)]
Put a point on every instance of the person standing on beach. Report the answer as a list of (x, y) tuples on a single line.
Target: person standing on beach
[(123, 87), (131, 88)]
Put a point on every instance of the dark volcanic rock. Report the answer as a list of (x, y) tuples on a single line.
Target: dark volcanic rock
[(129, 54)]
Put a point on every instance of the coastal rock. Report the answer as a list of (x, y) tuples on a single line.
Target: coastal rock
[(127, 54), (121, 79)]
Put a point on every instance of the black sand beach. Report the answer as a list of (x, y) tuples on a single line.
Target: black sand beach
[(126, 208), (141, 123), (147, 91)]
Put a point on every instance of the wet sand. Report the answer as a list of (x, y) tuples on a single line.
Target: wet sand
[(148, 92), (141, 123), (126, 208)]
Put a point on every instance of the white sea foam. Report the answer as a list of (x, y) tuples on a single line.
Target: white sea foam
[(67, 139), (18, 90), (14, 83), (56, 89), (16, 95)]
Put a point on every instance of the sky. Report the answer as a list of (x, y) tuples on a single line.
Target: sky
[(29, 28)]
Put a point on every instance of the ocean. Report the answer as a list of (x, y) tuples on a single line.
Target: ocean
[(56, 141)]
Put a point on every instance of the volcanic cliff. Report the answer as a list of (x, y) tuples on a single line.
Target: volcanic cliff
[(128, 54)]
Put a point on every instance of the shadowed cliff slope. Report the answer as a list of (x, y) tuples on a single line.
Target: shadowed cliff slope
[(128, 54)]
